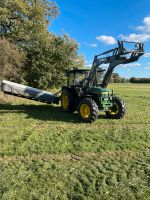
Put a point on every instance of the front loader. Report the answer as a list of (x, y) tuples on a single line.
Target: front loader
[(86, 91)]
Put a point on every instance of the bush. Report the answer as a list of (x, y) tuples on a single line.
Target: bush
[(12, 61)]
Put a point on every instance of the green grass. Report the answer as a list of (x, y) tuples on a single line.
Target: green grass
[(48, 154)]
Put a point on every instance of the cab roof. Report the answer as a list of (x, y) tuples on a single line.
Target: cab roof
[(79, 70)]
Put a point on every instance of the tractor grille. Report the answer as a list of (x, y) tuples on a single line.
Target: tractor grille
[(105, 100)]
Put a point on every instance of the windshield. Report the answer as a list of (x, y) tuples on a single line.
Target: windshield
[(97, 77), (78, 78), (100, 76), (81, 76)]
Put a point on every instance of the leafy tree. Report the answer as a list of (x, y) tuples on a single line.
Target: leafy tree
[(22, 20), (26, 23), (12, 61), (117, 79), (48, 61)]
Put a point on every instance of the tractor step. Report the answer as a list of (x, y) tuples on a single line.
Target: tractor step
[(27, 92)]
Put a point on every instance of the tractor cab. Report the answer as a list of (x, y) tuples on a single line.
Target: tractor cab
[(77, 77), (80, 76)]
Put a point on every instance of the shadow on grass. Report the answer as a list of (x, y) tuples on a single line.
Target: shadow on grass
[(43, 112)]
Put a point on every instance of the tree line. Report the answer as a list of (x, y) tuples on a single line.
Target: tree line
[(139, 80), (115, 78), (29, 52)]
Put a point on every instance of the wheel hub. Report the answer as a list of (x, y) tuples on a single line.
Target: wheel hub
[(114, 110), (65, 101), (85, 111)]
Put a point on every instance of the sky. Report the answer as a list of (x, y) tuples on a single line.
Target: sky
[(97, 25)]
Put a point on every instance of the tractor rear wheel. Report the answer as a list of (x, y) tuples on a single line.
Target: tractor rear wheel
[(88, 110), (117, 111), (67, 101)]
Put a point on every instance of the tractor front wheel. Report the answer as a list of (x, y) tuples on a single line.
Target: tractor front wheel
[(117, 111), (88, 110)]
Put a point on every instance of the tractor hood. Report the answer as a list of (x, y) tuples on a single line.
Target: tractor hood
[(99, 90)]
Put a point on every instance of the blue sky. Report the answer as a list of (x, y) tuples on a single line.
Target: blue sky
[(97, 25)]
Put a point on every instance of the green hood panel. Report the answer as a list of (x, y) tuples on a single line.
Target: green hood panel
[(99, 90)]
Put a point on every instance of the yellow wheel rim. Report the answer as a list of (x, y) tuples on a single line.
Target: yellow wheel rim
[(114, 110), (65, 101), (85, 111)]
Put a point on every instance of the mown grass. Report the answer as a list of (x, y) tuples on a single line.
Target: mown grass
[(48, 154)]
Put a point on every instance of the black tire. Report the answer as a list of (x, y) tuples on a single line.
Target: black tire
[(118, 110), (92, 107), (70, 107)]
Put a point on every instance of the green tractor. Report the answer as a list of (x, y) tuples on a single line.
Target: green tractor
[(86, 91)]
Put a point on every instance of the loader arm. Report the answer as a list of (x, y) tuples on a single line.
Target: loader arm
[(115, 57)]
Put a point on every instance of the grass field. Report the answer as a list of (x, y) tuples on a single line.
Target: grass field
[(48, 154)]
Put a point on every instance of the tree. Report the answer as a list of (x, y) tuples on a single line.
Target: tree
[(48, 61), (26, 23), (139, 80), (22, 20), (12, 61), (116, 78)]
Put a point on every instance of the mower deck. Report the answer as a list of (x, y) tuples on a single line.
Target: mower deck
[(23, 91)]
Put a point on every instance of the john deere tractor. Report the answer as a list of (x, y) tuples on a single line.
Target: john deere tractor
[(86, 91)]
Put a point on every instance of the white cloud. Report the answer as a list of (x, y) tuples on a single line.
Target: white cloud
[(135, 37), (131, 65), (135, 64), (92, 45), (144, 36), (109, 40), (146, 26), (146, 55)]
